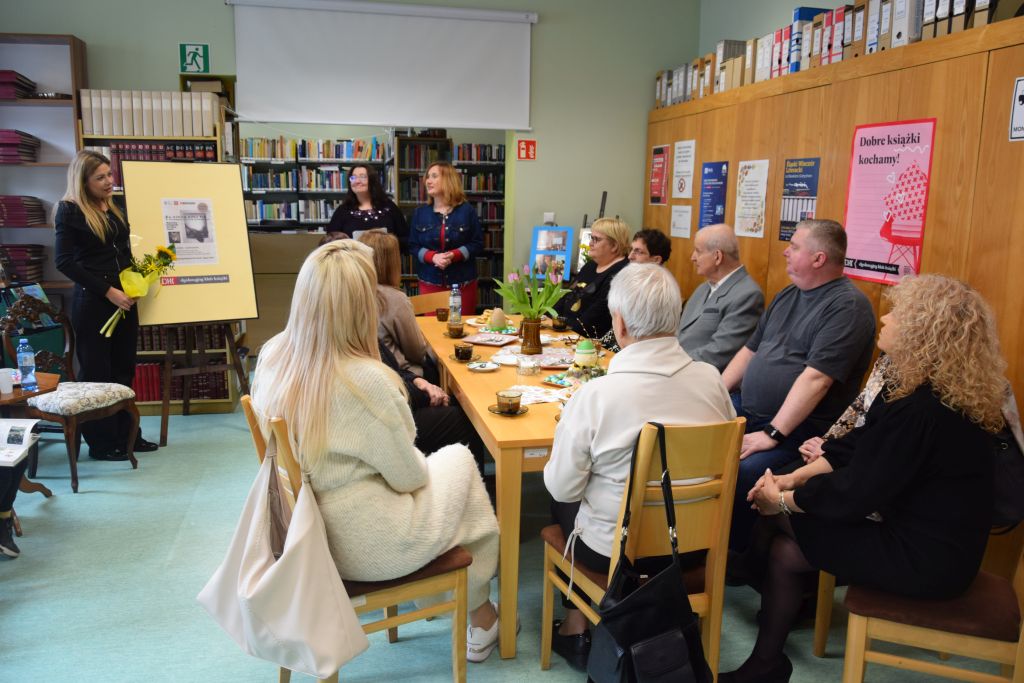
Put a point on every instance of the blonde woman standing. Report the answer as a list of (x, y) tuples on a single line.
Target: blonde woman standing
[(388, 509), (92, 248)]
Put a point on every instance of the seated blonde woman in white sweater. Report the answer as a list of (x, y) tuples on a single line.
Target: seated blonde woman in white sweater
[(388, 509)]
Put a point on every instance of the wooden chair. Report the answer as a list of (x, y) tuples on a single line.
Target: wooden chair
[(73, 403), (703, 513), (445, 574), (428, 303), (1000, 559), (984, 624)]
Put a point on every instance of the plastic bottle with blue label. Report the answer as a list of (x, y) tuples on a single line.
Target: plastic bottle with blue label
[(27, 365)]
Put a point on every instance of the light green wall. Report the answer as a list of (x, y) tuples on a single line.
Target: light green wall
[(745, 19), (592, 82)]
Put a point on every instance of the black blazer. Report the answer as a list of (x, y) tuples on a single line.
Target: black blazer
[(83, 258)]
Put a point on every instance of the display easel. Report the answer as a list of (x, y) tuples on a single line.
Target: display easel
[(196, 360)]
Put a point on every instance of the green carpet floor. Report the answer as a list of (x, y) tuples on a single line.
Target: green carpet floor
[(105, 587)]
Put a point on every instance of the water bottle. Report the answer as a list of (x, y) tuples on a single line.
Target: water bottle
[(455, 305), (27, 365)]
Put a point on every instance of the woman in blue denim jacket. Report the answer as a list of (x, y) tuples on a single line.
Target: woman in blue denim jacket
[(445, 237)]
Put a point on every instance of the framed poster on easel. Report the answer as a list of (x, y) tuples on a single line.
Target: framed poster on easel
[(199, 209), (551, 249)]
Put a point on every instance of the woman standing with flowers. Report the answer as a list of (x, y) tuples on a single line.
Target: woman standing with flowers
[(92, 248), (445, 237)]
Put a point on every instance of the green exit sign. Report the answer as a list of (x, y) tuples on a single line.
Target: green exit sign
[(194, 58)]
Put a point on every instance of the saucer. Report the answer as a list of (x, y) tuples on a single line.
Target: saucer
[(476, 356), (451, 337), (482, 366), (494, 409)]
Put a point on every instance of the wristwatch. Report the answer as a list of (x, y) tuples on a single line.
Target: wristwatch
[(773, 432)]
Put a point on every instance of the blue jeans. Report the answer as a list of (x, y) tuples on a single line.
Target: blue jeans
[(753, 467)]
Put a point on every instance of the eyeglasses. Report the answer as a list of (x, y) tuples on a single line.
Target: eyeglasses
[(597, 239), (358, 178), (636, 251)]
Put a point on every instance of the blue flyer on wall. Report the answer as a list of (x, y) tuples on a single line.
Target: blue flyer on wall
[(713, 181), (799, 194)]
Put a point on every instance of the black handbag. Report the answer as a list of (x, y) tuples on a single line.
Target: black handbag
[(1008, 482), (648, 632)]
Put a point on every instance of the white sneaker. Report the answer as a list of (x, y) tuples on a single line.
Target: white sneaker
[(480, 641)]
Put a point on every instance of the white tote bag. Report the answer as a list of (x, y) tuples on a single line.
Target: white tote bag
[(293, 610)]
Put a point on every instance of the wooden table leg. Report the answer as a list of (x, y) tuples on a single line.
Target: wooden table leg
[(509, 484), (28, 486)]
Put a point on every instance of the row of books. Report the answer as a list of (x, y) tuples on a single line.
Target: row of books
[(162, 113), (253, 180), (150, 338), (259, 210), (156, 151), (148, 384), (416, 156), (494, 238), (19, 211), (489, 211), (470, 152), (483, 181), (266, 149), (322, 179), (411, 190), (486, 268), (23, 262), (14, 85), (818, 37), (373, 149), (17, 147)]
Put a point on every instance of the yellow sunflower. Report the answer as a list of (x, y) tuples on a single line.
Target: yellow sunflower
[(167, 253)]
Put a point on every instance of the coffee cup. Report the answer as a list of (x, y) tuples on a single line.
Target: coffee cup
[(455, 330), (464, 352), (559, 324), (508, 401), (442, 315)]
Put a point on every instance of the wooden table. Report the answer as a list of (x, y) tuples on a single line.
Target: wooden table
[(47, 382), (517, 444)]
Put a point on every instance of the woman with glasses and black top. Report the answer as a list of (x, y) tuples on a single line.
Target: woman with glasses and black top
[(92, 248), (446, 237), (367, 206), (585, 308)]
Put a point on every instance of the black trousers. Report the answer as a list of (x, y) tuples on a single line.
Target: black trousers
[(10, 477), (439, 426), (103, 359)]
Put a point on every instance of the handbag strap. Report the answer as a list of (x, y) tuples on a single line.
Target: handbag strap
[(666, 491)]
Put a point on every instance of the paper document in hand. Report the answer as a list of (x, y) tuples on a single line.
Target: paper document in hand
[(16, 438)]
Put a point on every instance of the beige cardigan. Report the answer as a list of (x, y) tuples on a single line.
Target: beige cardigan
[(398, 331)]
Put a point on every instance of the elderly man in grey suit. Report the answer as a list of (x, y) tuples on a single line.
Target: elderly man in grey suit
[(723, 311)]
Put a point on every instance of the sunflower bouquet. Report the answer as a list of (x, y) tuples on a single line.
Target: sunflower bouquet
[(137, 278)]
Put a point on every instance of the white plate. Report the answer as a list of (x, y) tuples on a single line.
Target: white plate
[(482, 366), (504, 359)]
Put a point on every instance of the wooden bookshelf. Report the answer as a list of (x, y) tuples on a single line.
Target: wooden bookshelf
[(57, 64), (483, 171)]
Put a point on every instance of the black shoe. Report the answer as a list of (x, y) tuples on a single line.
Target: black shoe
[(7, 545), (750, 672), (574, 649), (143, 446), (112, 454)]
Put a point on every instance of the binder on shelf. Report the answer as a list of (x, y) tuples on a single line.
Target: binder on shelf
[(841, 20), (958, 22), (166, 113), (826, 38), (943, 11), (763, 63), (885, 26), (137, 123), (97, 111), (982, 13), (806, 43), (928, 19), (176, 119), (709, 74), (874, 19), (186, 114), (906, 22), (694, 81), (724, 51), (209, 102), (859, 43), (107, 111), (85, 97), (127, 121), (116, 118), (818, 27), (776, 42), (148, 120), (748, 63), (197, 114)]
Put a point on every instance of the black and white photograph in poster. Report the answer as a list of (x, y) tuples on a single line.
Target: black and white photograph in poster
[(188, 225), (799, 194)]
